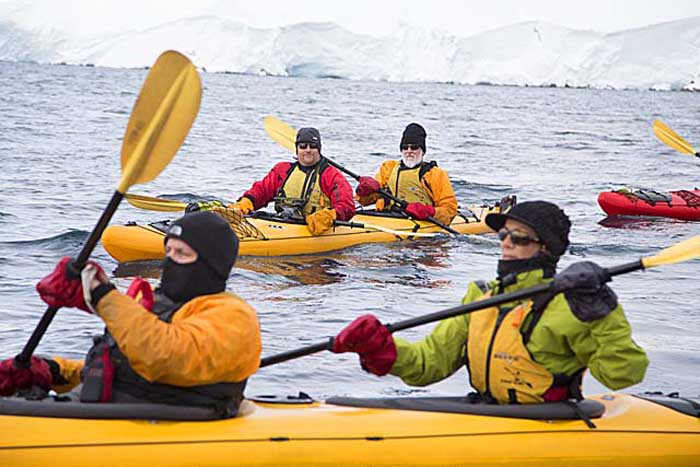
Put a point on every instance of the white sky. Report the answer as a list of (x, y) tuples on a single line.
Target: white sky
[(376, 17)]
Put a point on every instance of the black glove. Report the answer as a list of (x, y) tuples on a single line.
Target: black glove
[(203, 206), (585, 290)]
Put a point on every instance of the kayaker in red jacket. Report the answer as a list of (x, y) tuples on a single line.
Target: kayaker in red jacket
[(526, 351), (191, 343), (309, 188), (422, 184)]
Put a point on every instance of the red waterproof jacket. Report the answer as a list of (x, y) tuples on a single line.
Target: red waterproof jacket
[(333, 184)]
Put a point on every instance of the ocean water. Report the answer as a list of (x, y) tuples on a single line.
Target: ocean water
[(60, 137)]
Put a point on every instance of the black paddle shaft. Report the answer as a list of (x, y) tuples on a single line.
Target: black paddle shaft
[(22, 360), (444, 314), (401, 203)]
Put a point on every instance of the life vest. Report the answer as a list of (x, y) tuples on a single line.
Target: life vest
[(107, 376), (500, 366), (405, 183), (301, 194)]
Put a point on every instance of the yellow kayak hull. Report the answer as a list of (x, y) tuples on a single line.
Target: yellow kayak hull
[(144, 242), (631, 432)]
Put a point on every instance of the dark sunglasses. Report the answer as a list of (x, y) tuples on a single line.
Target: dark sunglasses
[(307, 145), (517, 238), (412, 147)]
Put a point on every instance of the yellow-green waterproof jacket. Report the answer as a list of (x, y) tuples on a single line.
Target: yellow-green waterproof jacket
[(560, 342)]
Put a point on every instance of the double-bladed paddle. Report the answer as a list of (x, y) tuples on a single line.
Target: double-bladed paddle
[(683, 251), (161, 118), (672, 139), (286, 136)]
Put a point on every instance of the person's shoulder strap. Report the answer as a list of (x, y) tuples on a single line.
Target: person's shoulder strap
[(426, 167), (482, 285), (539, 303)]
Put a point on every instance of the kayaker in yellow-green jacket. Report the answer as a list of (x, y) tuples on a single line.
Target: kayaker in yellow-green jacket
[(190, 343), (523, 352), (422, 184)]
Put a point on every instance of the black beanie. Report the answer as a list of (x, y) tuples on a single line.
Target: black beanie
[(550, 223), (211, 237), (309, 135), (413, 134)]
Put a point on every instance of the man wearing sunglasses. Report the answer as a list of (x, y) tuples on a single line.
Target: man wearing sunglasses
[(423, 185), (309, 188), (524, 352)]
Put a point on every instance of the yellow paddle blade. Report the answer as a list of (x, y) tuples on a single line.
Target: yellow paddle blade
[(162, 117), (683, 251), (281, 132), (669, 137), (154, 204)]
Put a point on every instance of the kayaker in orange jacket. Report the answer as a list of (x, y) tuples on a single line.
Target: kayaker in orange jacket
[(309, 188), (526, 351), (191, 343), (422, 184)]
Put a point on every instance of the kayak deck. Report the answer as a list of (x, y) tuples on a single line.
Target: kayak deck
[(632, 431), (680, 204), (274, 237)]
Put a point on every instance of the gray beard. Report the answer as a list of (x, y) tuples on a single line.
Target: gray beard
[(411, 165)]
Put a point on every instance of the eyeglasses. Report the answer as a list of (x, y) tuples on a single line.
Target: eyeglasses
[(307, 145), (516, 237), (412, 147)]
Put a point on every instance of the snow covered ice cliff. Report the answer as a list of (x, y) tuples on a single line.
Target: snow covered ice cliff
[(662, 56)]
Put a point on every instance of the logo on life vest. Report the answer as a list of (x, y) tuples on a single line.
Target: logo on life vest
[(515, 380), (506, 356)]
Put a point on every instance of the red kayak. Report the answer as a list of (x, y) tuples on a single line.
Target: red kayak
[(681, 204)]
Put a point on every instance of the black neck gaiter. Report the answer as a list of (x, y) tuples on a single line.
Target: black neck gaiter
[(509, 269), (183, 282)]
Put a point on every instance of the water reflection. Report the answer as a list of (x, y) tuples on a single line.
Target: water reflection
[(637, 222), (406, 262)]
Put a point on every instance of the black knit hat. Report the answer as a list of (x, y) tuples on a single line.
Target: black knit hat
[(309, 135), (413, 134), (211, 237), (550, 223)]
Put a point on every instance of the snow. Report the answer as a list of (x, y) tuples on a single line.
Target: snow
[(661, 56)]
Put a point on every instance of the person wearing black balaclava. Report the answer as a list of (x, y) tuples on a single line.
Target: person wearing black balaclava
[(525, 352), (189, 343), (424, 186)]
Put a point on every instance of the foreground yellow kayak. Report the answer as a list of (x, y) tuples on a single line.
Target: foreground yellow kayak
[(629, 430), (269, 236)]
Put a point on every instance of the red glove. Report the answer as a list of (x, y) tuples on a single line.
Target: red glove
[(370, 339), (12, 378), (367, 186), (141, 290), (59, 289), (420, 211)]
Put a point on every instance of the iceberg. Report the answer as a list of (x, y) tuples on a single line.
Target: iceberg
[(658, 57)]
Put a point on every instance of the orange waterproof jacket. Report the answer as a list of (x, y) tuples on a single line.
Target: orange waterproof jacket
[(211, 339), (435, 182)]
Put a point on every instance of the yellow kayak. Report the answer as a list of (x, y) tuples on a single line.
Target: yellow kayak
[(648, 430), (266, 235)]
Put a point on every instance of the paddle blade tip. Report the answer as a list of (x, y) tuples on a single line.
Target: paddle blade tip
[(684, 251)]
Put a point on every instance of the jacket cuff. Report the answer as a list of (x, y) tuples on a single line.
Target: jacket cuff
[(56, 378), (99, 292)]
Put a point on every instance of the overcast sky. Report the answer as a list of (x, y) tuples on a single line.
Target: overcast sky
[(376, 17)]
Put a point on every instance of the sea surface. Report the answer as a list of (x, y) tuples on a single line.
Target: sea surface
[(61, 129)]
